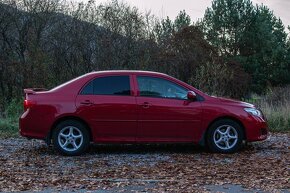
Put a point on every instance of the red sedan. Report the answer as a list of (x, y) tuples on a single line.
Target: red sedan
[(137, 107)]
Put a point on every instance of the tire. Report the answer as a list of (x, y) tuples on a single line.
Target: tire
[(71, 138), (225, 136)]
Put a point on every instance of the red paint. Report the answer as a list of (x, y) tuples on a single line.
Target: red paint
[(133, 118)]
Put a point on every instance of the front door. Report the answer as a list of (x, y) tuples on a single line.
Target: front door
[(164, 113)]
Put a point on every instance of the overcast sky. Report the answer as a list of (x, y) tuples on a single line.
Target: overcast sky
[(196, 8)]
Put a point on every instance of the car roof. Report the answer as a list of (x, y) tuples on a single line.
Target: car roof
[(80, 81), (127, 72), (107, 72), (141, 72)]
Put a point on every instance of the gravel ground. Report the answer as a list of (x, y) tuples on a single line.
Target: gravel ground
[(31, 165)]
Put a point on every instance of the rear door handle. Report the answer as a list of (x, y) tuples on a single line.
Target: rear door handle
[(145, 105), (87, 102)]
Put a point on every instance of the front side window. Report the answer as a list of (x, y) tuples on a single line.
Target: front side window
[(110, 85), (158, 87)]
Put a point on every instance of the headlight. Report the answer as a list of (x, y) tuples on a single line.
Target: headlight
[(254, 112)]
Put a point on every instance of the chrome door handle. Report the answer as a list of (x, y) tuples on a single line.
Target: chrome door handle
[(87, 102), (145, 105)]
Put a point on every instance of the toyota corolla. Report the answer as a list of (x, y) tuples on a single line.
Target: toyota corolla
[(137, 107)]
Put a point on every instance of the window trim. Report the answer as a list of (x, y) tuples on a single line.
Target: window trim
[(163, 78), (103, 76)]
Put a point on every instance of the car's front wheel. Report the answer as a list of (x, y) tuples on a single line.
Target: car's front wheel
[(71, 138), (225, 136)]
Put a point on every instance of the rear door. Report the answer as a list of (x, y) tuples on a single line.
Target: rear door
[(165, 114), (108, 105)]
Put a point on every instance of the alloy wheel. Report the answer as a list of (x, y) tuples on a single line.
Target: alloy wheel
[(225, 137), (70, 138)]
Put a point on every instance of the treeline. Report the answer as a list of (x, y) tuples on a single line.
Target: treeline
[(235, 49)]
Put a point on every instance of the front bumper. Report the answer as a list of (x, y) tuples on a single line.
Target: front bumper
[(256, 129)]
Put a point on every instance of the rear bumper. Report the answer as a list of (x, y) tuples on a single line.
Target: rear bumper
[(31, 128)]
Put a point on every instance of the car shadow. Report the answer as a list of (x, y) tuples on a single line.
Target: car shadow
[(145, 149), (119, 149), (115, 149)]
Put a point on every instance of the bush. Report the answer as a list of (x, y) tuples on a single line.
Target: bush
[(14, 108), (222, 79), (9, 118), (8, 128)]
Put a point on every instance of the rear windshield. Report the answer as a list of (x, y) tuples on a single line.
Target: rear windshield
[(68, 82)]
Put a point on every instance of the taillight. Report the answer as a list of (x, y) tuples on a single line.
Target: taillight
[(28, 104)]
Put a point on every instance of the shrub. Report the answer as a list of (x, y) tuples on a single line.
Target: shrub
[(9, 118), (222, 79)]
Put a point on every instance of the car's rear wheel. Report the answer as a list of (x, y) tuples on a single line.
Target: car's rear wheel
[(71, 138), (225, 136)]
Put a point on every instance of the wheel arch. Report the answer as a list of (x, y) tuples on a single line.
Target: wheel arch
[(61, 119), (203, 140)]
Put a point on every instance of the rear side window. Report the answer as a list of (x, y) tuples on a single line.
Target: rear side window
[(110, 85)]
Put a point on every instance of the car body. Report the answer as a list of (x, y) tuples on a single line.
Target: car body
[(137, 107)]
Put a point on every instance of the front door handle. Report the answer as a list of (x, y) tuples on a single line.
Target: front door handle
[(87, 102), (145, 105)]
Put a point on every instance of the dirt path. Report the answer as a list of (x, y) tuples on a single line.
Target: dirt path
[(30, 165)]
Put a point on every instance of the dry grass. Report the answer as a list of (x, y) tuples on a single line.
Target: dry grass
[(276, 107), (278, 116)]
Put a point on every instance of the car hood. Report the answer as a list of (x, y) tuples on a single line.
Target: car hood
[(232, 102)]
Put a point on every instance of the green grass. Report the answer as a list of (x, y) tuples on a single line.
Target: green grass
[(9, 127), (9, 119)]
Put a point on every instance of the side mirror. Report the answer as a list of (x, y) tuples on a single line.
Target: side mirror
[(191, 95)]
